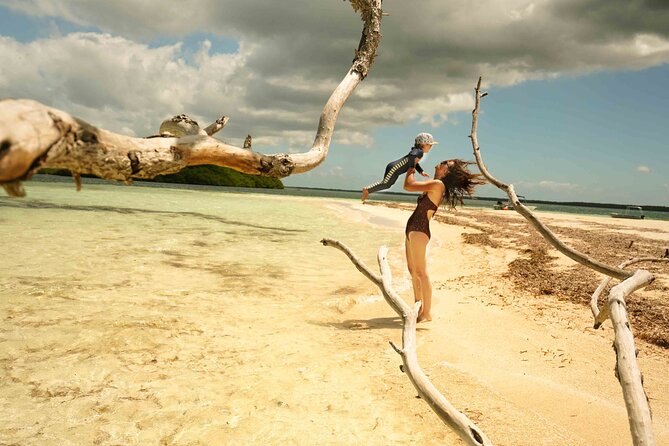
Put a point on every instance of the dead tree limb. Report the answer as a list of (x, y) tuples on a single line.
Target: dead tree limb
[(216, 126), (248, 142), (453, 418), (627, 369), (34, 136), (525, 212), (603, 314)]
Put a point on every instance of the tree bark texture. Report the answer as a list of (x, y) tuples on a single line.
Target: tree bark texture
[(34, 136)]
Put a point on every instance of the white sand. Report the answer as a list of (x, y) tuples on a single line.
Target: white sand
[(177, 368), (530, 369)]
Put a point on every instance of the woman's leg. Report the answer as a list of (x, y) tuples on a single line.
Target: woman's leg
[(412, 271), (418, 245)]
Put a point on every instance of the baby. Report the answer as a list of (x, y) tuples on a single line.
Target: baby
[(422, 145)]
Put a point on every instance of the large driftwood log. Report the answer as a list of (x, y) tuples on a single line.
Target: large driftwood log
[(455, 419), (34, 136), (627, 369)]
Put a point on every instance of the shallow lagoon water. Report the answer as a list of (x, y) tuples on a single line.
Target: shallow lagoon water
[(151, 236), (125, 311)]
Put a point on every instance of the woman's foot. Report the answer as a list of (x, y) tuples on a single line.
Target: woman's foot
[(365, 194), (424, 318)]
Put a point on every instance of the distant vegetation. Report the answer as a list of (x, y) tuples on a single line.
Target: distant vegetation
[(209, 175), (219, 176)]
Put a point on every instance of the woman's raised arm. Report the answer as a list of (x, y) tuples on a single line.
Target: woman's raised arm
[(411, 185)]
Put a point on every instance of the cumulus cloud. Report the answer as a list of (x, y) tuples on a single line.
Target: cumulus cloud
[(292, 54), (643, 169), (556, 186), (118, 82)]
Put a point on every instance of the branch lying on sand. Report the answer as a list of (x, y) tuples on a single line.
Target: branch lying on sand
[(34, 136), (603, 314), (456, 420), (627, 369)]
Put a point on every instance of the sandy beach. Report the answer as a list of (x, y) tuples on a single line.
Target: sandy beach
[(528, 367), (169, 364)]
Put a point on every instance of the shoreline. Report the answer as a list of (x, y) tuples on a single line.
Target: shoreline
[(329, 193), (138, 316), (490, 331)]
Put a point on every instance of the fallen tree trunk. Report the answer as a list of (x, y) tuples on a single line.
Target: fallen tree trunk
[(453, 418), (34, 136)]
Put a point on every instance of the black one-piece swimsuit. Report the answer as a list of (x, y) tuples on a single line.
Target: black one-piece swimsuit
[(419, 220)]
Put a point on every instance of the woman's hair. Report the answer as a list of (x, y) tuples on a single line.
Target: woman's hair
[(459, 182)]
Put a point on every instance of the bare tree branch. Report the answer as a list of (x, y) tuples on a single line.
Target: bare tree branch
[(180, 125), (627, 369), (77, 181), (248, 142), (34, 136), (359, 264), (601, 316), (453, 418), (216, 126), (525, 212)]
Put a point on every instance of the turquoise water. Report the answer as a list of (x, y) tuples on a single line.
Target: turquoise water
[(184, 227), (150, 315), (474, 203), (324, 193)]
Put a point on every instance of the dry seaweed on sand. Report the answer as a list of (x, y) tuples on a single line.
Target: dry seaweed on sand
[(536, 272)]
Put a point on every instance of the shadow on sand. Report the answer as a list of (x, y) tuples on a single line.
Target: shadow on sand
[(367, 324)]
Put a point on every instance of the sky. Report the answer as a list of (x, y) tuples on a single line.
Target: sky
[(576, 110)]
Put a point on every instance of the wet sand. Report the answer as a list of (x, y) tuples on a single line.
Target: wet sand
[(172, 365)]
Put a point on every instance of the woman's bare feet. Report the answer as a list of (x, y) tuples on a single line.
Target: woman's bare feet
[(365, 194)]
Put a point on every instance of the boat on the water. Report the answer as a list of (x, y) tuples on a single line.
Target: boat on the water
[(633, 212), (501, 206), (507, 205)]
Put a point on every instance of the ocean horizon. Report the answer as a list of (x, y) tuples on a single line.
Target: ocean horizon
[(578, 208)]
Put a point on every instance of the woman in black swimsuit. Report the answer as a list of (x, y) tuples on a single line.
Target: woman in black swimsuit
[(452, 182)]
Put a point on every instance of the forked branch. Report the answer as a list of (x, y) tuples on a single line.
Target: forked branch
[(627, 369), (455, 419), (603, 314), (525, 212), (34, 136)]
